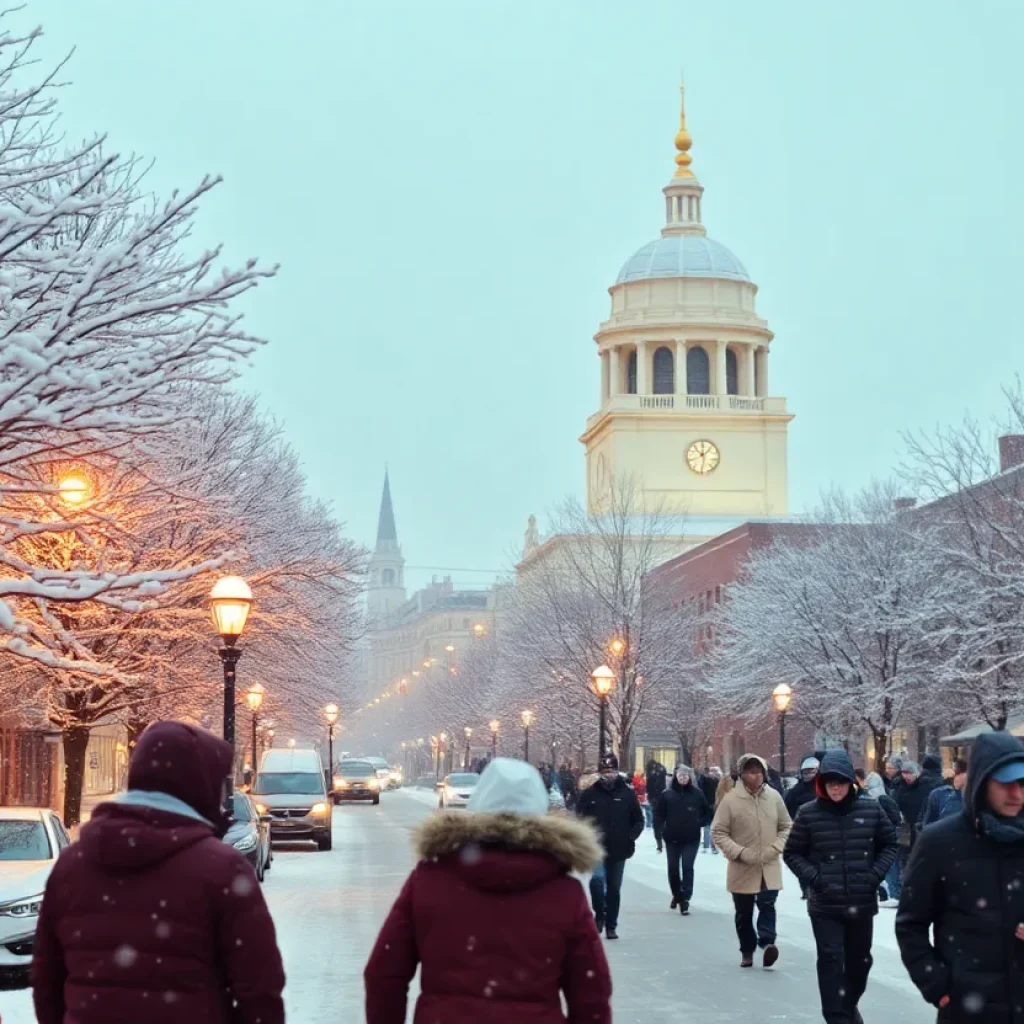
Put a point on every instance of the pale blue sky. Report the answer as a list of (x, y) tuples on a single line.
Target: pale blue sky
[(450, 188)]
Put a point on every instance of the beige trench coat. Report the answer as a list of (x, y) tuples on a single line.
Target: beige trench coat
[(751, 830)]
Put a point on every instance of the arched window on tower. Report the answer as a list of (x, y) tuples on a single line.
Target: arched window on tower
[(698, 371), (631, 373), (664, 372), (389, 577), (732, 373)]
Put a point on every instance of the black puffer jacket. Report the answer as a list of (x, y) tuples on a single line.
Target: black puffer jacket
[(841, 851), (969, 885), (682, 812), (617, 814)]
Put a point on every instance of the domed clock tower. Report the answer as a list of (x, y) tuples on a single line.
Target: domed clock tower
[(686, 413)]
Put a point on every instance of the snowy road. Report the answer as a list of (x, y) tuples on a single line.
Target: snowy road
[(328, 907)]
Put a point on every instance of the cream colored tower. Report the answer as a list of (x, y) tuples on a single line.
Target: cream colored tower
[(686, 411)]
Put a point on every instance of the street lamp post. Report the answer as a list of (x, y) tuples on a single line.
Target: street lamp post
[(495, 725), (230, 600), (331, 717), (782, 696), (254, 698), (465, 759), (603, 681), (527, 718)]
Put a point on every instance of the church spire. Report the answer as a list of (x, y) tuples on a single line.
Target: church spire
[(683, 141), (387, 533)]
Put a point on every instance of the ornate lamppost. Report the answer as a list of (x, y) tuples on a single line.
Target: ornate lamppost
[(254, 698), (465, 760), (603, 682), (230, 601), (782, 697), (527, 719), (331, 717), (495, 727)]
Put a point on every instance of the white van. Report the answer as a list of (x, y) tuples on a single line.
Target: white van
[(290, 786)]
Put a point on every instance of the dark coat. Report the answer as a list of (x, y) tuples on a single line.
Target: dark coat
[(498, 936), (150, 916), (657, 782), (841, 852), (969, 886), (802, 793), (617, 814), (911, 800), (891, 809), (709, 787), (681, 812), (942, 803)]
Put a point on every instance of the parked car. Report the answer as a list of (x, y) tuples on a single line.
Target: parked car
[(31, 839), (383, 770), (356, 780), (457, 788), (396, 777), (290, 787), (249, 834)]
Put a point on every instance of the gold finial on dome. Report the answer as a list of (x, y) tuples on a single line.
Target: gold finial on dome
[(683, 140)]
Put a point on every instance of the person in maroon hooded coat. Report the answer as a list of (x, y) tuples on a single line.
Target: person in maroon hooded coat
[(150, 916), (498, 928)]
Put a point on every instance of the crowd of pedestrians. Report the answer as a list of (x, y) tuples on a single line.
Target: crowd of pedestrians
[(150, 916)]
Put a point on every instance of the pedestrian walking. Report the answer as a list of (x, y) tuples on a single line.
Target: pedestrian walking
[(612, 805), (567, 782), (803, 792), (945, 801), (150, 916), (709, 787), (960, 925), (841, 846), (889, 891), (725, 786), (682, 813), (491, 916), (640, 788), (893, 777), (657, 781), (750, 828), (911, 797)]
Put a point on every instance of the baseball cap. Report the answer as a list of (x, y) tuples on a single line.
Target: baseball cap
[(1012, 771)]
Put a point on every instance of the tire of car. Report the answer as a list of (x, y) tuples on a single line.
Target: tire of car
[(261, 870), (270, 860), (324, 842)]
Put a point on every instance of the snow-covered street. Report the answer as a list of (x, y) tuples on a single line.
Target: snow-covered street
[(328, 907)]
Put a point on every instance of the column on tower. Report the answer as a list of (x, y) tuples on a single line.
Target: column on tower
[(643, 364), (681, 383), (614, 371), (721, 386), (761, 370), (747, 386), (605, 393)]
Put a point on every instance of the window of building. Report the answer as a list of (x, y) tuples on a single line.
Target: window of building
[(698, 371), (631, 373), (732, 373), (664, 372), (389, 577)]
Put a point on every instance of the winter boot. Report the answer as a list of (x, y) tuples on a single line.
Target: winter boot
[(771, 956), (684, 907)]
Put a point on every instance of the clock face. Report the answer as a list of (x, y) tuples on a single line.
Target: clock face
[(702, 457)]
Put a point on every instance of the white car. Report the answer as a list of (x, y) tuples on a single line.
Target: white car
[(457, 789), (31, 839)]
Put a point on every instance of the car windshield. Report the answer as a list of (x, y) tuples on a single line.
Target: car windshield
[(463, 780), (355, 769), (24, 840), (288, 783), (241, 809)]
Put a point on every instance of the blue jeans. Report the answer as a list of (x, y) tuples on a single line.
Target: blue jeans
[(648, 815), (709, 843), (605, 891), (894, 878), (765, 934)]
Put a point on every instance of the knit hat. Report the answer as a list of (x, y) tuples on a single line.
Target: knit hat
[(608, 761), (509, 786), (809, 762), (911, 768)]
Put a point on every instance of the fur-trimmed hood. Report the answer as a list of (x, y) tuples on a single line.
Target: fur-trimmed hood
[(569, 841)]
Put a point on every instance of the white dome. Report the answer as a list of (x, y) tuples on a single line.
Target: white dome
[(685, 255)]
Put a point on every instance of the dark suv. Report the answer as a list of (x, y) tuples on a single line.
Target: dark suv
[(356, 780)]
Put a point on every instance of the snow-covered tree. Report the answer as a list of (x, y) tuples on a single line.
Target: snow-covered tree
[(843, 613)]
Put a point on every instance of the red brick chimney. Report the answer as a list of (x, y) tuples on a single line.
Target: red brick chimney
[(1011, 451)]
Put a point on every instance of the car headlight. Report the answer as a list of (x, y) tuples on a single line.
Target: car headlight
[(340, 784), (28, 907), (262, 809), (248, 842), (320, 808), (373, 784)]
